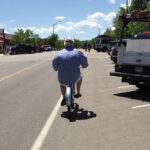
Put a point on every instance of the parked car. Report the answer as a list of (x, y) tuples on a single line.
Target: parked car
[(112, 43), (114, 50), (47, 48), (145, 35), (102, 43), (22, 48), (40, 49)]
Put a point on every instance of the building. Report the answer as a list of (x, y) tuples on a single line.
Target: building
[(5, 42)]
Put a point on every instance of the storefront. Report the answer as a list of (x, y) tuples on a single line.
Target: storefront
[(5, 43)]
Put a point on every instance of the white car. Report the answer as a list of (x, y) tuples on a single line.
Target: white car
[(48, 48)]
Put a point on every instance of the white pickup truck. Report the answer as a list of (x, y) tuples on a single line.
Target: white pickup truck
[(133, 63)]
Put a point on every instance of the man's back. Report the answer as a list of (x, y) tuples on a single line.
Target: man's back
[(67, 62)]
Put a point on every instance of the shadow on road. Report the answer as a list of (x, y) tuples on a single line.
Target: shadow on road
[(78, 114), (136, 95)]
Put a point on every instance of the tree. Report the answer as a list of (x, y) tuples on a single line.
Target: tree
[(25, 37), (132, 28), (18, 37), (110, 32), (92, 41), (37, 40), (52, 40), (77, 43), (139, 4), (59, 44)]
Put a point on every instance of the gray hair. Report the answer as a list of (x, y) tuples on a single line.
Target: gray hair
[(69, 42)]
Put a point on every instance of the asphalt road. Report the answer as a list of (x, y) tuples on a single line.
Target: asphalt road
[(110, 115)]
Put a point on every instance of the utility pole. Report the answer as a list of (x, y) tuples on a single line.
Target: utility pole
[(3, 33), (53, 28), (127, 5), (99, 31)]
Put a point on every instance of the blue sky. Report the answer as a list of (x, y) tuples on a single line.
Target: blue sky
[(80, 19)]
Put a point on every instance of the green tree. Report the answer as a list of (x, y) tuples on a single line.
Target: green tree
[(52, 40), (36, 40), (18, 37), (139, 4), (59, 44), (110, 33), (28, 36), (92, 41), (25, 37), (132, 28), (77, 43)]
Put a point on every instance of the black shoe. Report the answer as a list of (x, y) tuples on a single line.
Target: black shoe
[(77, 95), (63, 102)]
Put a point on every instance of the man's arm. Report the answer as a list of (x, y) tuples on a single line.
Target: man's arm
[(55, 62), (83, 60)]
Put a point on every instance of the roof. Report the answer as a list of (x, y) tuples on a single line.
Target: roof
[(103, 36)]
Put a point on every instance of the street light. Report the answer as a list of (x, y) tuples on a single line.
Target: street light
[(99, 30), (55, 24)]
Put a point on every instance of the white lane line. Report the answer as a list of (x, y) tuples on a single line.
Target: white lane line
[(40, 139), (121, 87), (140, 106)]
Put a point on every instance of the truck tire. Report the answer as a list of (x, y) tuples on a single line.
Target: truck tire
[(104, 49), (13, 52)]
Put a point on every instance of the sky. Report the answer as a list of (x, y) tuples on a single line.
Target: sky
[(80, 19)]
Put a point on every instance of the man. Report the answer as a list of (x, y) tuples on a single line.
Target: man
[(67, 62), (89, 47)]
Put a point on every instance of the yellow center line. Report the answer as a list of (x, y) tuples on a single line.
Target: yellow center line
[(22, 70)]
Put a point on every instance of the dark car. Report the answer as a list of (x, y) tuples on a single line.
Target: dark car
[(114, 50), (112, 43), (22, 49), (145, 35)]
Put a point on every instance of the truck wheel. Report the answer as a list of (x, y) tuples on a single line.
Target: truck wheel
[(32, 51), (13, 52), (104, 49)]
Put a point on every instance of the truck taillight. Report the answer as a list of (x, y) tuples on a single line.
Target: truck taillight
[(113, 50), (138, 60)]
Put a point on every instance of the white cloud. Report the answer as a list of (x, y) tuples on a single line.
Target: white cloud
[(34, 29), (96, 20), (6, 32), (79, 32), (60, 18), (101, 16), (112, 1), (88, 23), (123, 5), (113, 28), (63, 28), (69, 23)]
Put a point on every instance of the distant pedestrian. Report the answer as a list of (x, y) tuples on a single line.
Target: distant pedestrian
[(89, 47), (85, 46)]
